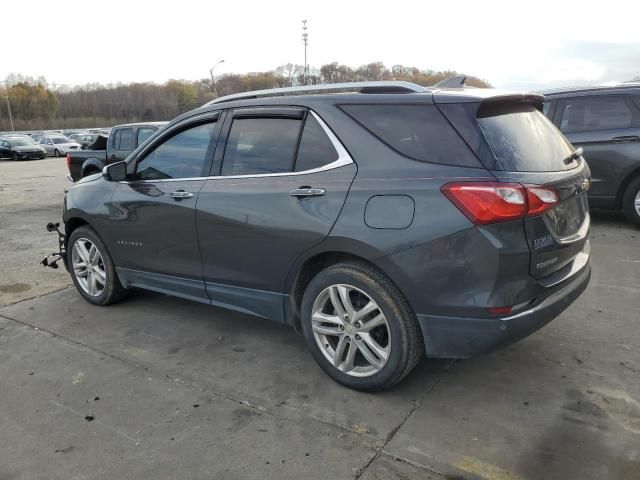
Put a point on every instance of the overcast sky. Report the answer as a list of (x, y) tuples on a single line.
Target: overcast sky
[(536, 44)]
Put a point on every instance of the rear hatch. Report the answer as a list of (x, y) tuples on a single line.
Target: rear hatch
[(519, 145)]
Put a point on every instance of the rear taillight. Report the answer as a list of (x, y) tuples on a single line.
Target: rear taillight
[(540, 199), (492, 202), (69, 161)]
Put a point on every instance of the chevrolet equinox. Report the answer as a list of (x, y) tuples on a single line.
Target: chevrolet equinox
[(382, 220)]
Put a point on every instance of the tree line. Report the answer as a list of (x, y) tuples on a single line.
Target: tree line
[(36, 104)]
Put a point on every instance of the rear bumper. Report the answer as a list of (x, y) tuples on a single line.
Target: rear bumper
[(462, 337)]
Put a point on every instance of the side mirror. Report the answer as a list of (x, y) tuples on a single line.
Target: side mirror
[(116, 172)]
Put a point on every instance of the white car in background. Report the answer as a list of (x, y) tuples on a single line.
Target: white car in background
[(58, 145)]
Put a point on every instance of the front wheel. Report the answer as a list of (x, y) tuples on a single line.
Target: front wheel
[(631, 201), (56, 152), (359, 327), (92, 269)]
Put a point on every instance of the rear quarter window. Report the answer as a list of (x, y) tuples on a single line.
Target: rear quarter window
[(419, 132)]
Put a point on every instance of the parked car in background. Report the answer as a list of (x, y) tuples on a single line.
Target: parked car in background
[(122, 140), (605, 122), (20, 148), (382, 223), (68, 133), (58, 145)]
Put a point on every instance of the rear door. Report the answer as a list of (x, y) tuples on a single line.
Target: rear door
[(282, 178), (122, 144), (607, 127), (518, 144)]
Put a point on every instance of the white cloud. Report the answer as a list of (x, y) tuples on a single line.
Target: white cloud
[(512, 44)]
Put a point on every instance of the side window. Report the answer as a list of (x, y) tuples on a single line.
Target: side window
[(126, 139), (261, 145), (143, 134), (316, 150), (181, 156), (545, 108), (596, 113), (419, 132)]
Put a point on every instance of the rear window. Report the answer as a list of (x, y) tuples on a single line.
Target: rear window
[(260, 146), (523, 139), (125, 139), (419, 132)]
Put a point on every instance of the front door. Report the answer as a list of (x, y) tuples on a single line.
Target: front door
[(152, 232), (283, 178)]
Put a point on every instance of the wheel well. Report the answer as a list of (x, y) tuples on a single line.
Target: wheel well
[(70, 225), (623, 186), (310, 269)]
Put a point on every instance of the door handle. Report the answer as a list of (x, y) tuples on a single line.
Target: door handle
[(626, 139), (305, 192), (180, 195)]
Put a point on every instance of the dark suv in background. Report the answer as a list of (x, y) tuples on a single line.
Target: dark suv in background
[(605, 122), (382, 224)]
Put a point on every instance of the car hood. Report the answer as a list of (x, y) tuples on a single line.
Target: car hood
[(89, 178)]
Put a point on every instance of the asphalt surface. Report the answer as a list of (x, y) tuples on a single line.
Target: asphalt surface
[(160, 388), (31, 194)]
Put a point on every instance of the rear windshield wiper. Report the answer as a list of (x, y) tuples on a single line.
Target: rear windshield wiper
[(574, 156)]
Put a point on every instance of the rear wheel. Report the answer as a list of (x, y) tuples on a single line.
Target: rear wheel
[(92, 268), (14, 156), (359, 327), (631, 201)]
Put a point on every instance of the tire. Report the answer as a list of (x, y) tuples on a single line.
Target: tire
[(399, 338), (14, 156), (56, 153), (631, 201), (112, 290)]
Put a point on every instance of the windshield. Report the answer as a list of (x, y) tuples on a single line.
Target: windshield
[(61, 140), (523, 139), (20, 142)]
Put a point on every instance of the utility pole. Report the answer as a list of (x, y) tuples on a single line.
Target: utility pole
[(213, 80), (6, 85), (305, 39)]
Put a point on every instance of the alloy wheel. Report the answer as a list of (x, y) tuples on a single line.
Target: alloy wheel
[(351, 330), (88, 267), (636, 203)]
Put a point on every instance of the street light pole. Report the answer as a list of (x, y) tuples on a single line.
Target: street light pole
[(213, 80), (305, 39)]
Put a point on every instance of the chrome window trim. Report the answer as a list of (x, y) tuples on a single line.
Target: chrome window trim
[(343, 159)]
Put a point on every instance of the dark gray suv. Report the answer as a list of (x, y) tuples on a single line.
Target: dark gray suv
[(605, 122), (381, 224)]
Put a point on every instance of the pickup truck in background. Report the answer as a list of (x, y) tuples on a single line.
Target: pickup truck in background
[(122, 140)]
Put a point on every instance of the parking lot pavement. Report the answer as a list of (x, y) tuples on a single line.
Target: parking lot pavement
[(157, 387), (31, 194)]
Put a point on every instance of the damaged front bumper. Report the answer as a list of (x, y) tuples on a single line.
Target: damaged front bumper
[(52, 259)]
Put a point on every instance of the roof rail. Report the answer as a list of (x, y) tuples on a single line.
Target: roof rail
[(452, 82), (362, 87)]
